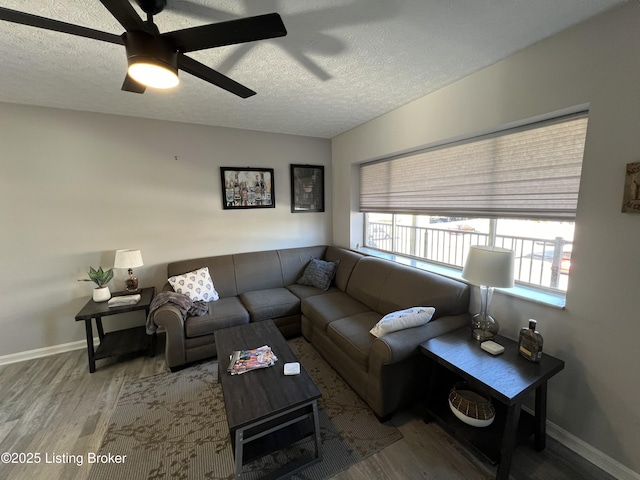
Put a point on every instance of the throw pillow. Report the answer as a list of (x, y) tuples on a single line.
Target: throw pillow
[(196, 285), (319, 273), (394, 321)]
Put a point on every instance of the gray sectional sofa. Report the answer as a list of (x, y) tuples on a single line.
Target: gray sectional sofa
[(387, 372)]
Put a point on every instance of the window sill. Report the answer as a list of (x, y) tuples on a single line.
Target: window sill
[(555, 300)]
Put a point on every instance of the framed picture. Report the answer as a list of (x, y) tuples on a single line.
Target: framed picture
[(631, 197), (307, 188), (247, 188)]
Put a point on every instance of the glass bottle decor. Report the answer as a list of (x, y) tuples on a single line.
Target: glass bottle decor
[(531, 342)]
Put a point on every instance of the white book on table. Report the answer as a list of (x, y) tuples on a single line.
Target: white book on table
[(124, 300)]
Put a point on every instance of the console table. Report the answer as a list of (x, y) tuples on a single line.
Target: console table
[(119, 342), (507, 378)]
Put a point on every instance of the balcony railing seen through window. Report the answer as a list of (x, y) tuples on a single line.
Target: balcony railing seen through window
[(542, 263)]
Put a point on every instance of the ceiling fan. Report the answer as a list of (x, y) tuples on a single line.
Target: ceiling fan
[(154, 58)]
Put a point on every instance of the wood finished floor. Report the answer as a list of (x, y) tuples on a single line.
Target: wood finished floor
[(53, 406)]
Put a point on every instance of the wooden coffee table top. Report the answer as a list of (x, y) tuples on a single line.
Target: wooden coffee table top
[(261, 393)]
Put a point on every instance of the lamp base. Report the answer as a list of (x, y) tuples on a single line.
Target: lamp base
[(484, 327), (131, 283)]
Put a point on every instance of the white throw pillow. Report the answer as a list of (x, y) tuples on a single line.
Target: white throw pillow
[(196, 285), (394, 321)]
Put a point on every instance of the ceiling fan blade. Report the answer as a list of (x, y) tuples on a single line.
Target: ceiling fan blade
[(130, 85), (242, 30), (207, 74), (57, 26), (125, 14), (191, 9)]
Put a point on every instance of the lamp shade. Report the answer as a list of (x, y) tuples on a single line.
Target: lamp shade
[(490, 266), (128, 259)]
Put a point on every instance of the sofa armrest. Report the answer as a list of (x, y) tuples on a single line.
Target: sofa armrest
[(171, 319), (397, 346), (396, 371)]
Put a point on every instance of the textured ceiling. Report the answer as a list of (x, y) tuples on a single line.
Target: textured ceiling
[(343, 62)]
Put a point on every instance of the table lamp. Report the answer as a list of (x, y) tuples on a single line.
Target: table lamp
[(487, 267), (129, 259)]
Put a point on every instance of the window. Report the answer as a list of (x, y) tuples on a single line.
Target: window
[(516, 189), (542, 247)]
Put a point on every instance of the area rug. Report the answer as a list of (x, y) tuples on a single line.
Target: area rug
[(173, 426)]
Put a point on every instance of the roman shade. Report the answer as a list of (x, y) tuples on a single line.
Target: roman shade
[(526, 172)]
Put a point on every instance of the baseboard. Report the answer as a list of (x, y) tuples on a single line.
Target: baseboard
[(589, 453), (593, 455), (54, 350), (45, 352)]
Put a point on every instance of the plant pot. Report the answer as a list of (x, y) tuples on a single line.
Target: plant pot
[(101, 294)]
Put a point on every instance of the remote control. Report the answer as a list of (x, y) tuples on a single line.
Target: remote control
[(492, 347), (292, 368)]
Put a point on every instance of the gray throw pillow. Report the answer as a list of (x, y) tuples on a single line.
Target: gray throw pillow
[(319, 273)]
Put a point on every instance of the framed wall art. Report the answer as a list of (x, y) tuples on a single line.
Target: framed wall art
[(631, 197), (307, 188), (247, 188)]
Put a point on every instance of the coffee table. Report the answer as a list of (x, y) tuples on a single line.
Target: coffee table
[(267, 410)]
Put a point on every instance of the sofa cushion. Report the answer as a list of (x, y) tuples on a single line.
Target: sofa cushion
[(294, 260), (401, 319), (220, 268), (408, 286), (257, 271), (197, 285), (226, 312), (304, 291), (321, 310), (319, 274), (351, 335), (368, 280), (348, 260), (270, 303)]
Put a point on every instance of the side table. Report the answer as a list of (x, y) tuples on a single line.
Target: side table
[(119, 342), (507, 378)]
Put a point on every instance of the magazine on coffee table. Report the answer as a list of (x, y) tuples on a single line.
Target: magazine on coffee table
[(242, 361)]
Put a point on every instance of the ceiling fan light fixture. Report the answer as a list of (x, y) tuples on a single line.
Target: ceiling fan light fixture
[(151, 61), (152, 74)]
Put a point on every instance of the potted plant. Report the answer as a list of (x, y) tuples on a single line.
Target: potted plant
[(100, 277)]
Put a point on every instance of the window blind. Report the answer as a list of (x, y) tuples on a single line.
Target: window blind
[(526, 172)]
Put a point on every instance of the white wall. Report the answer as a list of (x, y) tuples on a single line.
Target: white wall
[(598, 64), (74, 187)]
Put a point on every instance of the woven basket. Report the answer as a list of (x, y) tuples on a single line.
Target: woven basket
[(470, 405)]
